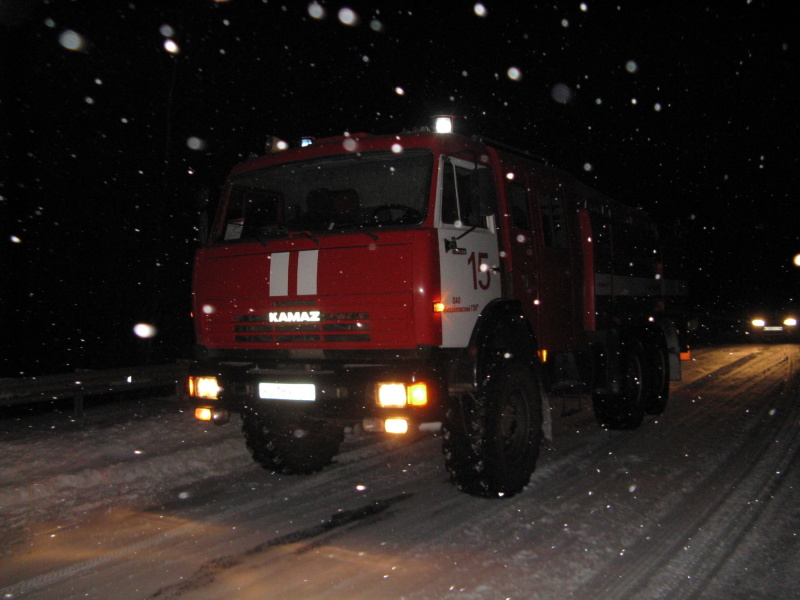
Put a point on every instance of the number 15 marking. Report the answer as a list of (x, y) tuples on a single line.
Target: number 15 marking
[(480, 268)]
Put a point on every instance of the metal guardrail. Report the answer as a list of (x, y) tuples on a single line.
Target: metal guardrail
[(81, 384)]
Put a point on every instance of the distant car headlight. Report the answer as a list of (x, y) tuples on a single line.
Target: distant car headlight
[(790, 322), (759, 322)]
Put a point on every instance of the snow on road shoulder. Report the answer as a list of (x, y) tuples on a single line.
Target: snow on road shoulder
[(54, 467)]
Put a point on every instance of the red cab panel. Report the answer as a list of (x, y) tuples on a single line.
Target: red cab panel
[(333, 292)]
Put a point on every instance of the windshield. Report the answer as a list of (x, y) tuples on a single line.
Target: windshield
[(377, 189)]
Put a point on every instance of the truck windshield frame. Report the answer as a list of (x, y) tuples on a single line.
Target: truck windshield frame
[(328, 194)]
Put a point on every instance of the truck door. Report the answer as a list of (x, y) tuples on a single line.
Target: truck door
[(557, 276), (468, 250), (522, 243)]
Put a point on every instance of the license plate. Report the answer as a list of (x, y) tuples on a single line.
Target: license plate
[(302, 392), (773, 328)]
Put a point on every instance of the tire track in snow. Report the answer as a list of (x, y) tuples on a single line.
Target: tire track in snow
[(430, 531), (430, 520), (209, 571), (682, 554), (311, 496)]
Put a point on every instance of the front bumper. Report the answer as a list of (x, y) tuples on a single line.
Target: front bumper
[(342, 393)]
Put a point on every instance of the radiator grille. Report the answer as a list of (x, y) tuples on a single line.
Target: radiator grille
[(333, 327)]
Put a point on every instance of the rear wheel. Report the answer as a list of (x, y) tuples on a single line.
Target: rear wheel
[(626, 408), (290, 445), (491, 440)]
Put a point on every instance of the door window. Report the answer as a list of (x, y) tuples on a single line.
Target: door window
[(520, 210), (461, 196), (552, 210)]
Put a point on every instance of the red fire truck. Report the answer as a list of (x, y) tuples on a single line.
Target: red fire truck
[(390, 281)]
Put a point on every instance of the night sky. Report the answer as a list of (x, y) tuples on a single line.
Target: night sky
[(111, 143)]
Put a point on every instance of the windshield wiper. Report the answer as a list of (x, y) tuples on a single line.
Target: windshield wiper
[(276, 231), (307, 234), (352, 227), (271, 232)]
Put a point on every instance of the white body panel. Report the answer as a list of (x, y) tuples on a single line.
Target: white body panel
[(470, 276)]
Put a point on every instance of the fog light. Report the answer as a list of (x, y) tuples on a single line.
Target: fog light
[(395, 426), (203, 414), (371, 424), (391, 395), (221, 417)]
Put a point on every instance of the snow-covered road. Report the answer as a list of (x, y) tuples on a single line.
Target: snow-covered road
[(141, 501)]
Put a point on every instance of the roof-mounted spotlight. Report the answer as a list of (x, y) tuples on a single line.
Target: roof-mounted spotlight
[(443, 123), (275, 144)]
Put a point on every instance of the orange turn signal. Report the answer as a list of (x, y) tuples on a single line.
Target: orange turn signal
[(418, 394)]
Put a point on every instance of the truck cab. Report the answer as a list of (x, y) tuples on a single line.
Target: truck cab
[(389, 281)]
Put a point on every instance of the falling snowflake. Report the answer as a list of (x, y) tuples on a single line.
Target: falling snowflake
[(72, 40)]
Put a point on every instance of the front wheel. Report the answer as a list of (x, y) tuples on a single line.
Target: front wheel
[(491, 440), (297, 445)]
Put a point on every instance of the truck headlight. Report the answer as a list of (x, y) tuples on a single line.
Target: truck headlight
[(398, 395), (790, 322), (391, 395), (204, 387), (759, 322)]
